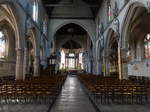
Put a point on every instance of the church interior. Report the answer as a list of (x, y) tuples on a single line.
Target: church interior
[(74, 55)]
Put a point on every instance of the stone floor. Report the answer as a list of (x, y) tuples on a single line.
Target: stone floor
[(24, 108), (72, 98), (125, 108)]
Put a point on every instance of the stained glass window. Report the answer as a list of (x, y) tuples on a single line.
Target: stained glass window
[(109, 11), (35, 11), (71, 60), (147, 46), (2, 45)]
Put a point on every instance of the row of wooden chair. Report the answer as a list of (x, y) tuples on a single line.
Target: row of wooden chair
[(7, 78), (140, 79), (32, 90), (105, 90)]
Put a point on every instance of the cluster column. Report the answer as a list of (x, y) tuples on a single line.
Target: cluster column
[(106, 65), (124, 65), (25, 69), (19, 64), (36, 65)]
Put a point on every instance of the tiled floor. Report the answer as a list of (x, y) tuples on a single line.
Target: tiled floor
[(24, 108), (125, 108), (72, 98)]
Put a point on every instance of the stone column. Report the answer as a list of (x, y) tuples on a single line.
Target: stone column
[(68, 62), (103, 65), (19, 64), (87, 64), (124, 62), (99, 67), (65, 62), (36, 65), (95, 63), (78, 61), (25, 68), (90, 66), (106, 65), (120, 63), (94, 59), (75, 62)]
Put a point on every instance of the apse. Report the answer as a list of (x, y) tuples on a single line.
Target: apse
[(71, 41)]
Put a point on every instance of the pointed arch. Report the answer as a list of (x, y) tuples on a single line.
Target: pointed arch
[(88, 26), (127, 22), (109, 40)]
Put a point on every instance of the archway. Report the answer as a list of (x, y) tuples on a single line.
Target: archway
[(134, 43), (71, 50), (9, 28), (7, 49), (111, 54), (133, 10), (31, 53), (55, 25), (71, 40), (7, 9)]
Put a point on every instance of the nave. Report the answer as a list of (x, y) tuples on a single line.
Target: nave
[(73, 98), (43, 41)]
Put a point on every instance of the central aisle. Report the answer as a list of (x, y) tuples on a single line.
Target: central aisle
[(72, 98)]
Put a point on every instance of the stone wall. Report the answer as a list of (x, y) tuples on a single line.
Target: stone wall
[(7, 68), (139, 68), (19, 16), (118, 25)]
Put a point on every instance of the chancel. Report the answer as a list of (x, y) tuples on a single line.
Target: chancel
[(74, 55)]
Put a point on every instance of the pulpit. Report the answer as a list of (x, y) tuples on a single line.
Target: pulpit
[(52, 64)]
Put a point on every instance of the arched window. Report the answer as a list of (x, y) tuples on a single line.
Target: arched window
[(109, 11), (147, 46), (35, 10), (71, 60), (2, 45)]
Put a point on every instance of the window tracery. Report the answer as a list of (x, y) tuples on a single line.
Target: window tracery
[(2, 45)]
